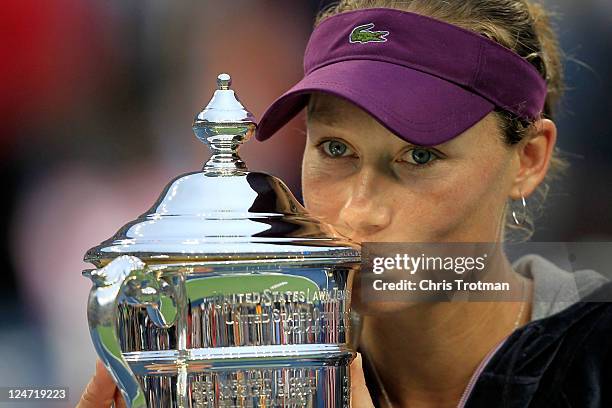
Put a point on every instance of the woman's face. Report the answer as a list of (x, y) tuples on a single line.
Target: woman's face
[(373, 186)]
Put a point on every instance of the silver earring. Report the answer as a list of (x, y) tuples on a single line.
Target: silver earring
[(524, 211)]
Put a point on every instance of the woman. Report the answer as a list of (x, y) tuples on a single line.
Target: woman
[(425, 118)]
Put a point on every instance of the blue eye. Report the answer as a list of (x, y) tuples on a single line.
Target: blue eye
[(420, 157), (335, 148)]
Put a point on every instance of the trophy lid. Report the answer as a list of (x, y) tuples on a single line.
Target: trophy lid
[(225, 212)]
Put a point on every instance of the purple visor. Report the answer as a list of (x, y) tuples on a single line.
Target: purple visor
[(425, 80)]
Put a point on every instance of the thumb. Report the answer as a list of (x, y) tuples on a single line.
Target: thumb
[(360, 395), (101, 390)]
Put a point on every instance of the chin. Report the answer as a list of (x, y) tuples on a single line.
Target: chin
[(370, 308), (364, 306)]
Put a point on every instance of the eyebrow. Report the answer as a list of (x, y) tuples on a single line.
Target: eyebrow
[(323, 114)]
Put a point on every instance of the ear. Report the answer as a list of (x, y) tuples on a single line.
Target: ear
[(534, 153)]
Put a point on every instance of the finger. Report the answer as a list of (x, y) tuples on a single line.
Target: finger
[(360, 395), (100, 391), (119, 401)]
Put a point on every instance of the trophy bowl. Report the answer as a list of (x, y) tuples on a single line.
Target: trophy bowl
[(226, 293)]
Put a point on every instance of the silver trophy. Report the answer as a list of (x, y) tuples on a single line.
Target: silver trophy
[(226, 293)]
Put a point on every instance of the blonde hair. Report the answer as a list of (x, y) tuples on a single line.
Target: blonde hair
[(522, 26)]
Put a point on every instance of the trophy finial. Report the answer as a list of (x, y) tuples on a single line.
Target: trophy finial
[(224, 81), (224, 125)]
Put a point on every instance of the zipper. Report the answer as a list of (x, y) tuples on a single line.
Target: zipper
[(470, 386)]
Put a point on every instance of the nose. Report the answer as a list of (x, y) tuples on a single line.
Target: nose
[(366, 210)]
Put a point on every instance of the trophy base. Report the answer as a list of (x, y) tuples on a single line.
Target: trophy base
[(314, 375)]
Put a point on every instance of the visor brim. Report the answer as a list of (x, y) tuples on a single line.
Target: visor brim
[(420, 108)]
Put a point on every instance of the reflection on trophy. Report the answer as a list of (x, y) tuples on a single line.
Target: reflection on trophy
[(226, 293)]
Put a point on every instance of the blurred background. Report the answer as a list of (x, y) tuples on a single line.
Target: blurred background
[(96, 106)]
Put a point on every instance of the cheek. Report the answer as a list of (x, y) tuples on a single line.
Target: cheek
[(469, 202), (322, 189)]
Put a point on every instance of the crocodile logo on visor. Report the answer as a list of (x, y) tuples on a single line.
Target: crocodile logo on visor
[(363, 34)]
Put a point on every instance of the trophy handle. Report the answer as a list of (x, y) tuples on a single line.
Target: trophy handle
[(102, 315)]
